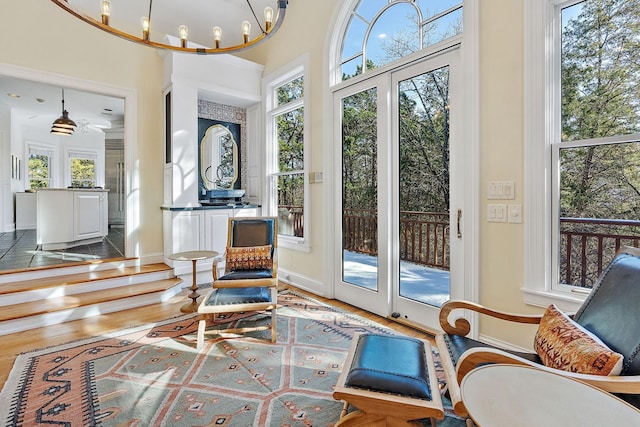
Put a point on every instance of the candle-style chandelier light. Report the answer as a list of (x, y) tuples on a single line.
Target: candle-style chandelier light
[(166, 26)]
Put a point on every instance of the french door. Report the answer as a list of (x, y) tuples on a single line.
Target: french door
[(399, 200)]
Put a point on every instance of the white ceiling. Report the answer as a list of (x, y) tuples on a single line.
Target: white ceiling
[(41, 104)]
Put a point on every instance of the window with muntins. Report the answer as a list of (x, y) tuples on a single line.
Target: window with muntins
[(591, 141), (82, 169), (39, 167), (287, 161), (382, 31)]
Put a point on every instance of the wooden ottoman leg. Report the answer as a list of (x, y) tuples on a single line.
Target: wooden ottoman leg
[(274, 325), (202, 326)]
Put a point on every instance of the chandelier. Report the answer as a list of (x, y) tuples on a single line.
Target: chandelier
[(167, 28)]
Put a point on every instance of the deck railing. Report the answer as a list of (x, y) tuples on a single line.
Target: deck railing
[(586, 245), (424, 236), (291, 220)]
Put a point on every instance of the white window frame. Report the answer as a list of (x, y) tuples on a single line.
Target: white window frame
[(294, 70), (84, 155), (44, 149), (88, 154), (542, 127)]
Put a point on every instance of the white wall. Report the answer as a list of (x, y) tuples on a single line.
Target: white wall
[(6, 202)]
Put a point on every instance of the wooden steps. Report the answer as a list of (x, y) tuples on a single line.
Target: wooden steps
[(46, 297)]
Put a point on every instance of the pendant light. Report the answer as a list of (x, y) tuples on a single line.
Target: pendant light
[(63, 125)]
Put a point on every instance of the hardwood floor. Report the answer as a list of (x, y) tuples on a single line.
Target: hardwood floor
[(14, 344)]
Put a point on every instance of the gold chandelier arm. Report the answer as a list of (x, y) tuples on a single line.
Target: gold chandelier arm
[(282, 7)]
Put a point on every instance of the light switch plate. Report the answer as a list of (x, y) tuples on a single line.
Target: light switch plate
[(497, 213), (515, 213), (499, 190)]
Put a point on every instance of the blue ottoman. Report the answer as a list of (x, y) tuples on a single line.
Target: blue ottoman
[(391, 380)]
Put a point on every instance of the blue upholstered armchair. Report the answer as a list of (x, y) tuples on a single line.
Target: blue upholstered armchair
[(250, 279), (599, 345)]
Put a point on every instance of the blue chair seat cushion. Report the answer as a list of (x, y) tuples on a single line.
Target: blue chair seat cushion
[(227, 296), (390, 364), (266, 273)]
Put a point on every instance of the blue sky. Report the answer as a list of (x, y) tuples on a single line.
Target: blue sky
[(395, 20)]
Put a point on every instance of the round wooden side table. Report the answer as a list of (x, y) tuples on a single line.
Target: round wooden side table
[(194, 257)]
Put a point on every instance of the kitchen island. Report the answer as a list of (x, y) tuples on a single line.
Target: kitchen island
[(68, 217)]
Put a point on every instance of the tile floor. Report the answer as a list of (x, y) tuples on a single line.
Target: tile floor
[(19, 250)]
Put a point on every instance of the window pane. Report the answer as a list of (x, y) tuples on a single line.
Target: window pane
[(290, 91), (423, 108), (352, 68), (360, 189), (400, 28), (291, 205), (599, 208), (352, 43), (368, 8), (290, 128), (394, 35), (83, 172), (600, 69), (430, 8), (38, 171), (442, 28)]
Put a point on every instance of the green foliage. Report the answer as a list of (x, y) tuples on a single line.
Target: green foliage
[(599, 180), (424, 142), (360, 151), (600, 93), (83, 173), (38, 171)]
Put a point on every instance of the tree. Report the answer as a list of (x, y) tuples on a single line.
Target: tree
[(600, 99), (424, 142), (83, 172), (38, 171), (360, 151)]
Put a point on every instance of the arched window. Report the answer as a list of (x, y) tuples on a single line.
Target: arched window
[(382, 31)]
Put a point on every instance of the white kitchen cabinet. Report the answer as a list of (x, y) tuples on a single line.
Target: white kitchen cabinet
[(199, 229), (25, 211), (67, 218)]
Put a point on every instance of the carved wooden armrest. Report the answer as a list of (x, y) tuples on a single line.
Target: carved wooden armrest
[(275, 262), (461, 326), (472, 358), (214, 267)]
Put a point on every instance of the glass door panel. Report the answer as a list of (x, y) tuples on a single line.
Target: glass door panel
[(428, 169), (423, 117), (362, 255), (359, 190)]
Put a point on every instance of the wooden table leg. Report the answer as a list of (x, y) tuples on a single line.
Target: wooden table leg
[(192, 307)]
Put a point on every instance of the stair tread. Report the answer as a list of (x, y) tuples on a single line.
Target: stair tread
[(79, 278), (65, 265), (11, 312)]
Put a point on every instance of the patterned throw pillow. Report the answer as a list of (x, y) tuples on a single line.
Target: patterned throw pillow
[(248, 258), (563, 344)]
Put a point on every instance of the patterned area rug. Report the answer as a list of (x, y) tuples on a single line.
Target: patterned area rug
[(154, 376)]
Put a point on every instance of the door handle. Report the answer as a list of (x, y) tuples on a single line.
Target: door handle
[(459, 220)]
